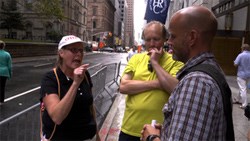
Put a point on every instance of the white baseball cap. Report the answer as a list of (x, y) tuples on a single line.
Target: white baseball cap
[(69, 39)]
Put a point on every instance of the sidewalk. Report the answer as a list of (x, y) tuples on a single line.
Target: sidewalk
[(111, 127)]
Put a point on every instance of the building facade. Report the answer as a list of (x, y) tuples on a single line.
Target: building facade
[(117, 24), (41, 28), (100, 22), (233, 18), (124, 8), (129, 24)]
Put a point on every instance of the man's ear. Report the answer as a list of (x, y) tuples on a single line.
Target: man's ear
[(193, 36)]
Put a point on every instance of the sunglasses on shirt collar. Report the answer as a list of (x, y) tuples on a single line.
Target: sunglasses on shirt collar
[(150, 67)]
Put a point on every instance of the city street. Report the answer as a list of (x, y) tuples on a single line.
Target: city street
[(111, 125)]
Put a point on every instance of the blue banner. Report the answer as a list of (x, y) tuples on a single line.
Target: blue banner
[(157, 10)]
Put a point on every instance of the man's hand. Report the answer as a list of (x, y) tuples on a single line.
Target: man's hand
[(150, 130), (155, 54)]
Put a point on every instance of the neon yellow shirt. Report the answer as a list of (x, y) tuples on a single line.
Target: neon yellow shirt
[(143, 107)]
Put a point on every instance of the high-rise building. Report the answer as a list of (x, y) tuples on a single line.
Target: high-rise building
[(117, 24), (123, 7), (129, 24), (100, 24)]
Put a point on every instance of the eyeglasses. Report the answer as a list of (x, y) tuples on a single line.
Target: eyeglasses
[(75, 50)]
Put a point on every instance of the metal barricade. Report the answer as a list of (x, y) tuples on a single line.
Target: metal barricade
[(110, 79), (23, 126), (98, 80), (94, 69), (118, 74), (111, 69)]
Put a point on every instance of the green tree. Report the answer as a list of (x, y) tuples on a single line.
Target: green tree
[(51, 9), (11, 18)]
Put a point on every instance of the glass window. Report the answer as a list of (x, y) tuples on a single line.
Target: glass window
[(94, 24)]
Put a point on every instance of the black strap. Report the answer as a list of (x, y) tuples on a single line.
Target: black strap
[(225, 91)]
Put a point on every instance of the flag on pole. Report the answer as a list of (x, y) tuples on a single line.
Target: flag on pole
[(157, 10)]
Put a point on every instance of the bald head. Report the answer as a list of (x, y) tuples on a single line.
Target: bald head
[(156, 24), (197, 18), (191, 30)]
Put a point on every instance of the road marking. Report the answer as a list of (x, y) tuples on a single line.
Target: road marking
[(21, 94), (45, 64)]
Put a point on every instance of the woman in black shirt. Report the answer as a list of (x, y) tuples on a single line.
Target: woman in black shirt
[(69, 106)]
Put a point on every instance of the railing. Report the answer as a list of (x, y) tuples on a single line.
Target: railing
[(25, 126)]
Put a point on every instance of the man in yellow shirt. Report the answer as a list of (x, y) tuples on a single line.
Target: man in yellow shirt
[(143, 84)]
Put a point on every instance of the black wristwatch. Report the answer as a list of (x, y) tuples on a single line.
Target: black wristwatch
[(152, 137)]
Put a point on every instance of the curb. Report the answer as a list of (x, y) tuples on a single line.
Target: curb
[(104, 131)]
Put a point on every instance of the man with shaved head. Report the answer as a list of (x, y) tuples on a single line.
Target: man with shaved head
[(195, 110)]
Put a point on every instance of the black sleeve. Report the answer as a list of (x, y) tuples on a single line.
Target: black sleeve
[(89, 79), (48, 85)]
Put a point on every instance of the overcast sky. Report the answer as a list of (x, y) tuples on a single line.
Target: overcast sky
[(139, 12)]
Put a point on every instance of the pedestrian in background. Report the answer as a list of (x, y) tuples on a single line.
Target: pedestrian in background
[(195, 109), (143, 84), (131, 52), (242, 62), (5, 70), (67, 96)]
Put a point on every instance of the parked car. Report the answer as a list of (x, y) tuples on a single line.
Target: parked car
[(120, 49), (88, 48), (107, 49)]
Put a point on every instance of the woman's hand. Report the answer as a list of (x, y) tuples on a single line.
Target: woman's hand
[(79, 73)]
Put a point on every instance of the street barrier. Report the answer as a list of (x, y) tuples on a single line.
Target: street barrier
[(98, 80), (25, 125), (112, 77), (95, 68), (118, 74)]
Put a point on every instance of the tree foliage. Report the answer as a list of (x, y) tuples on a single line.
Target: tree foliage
[(11, 18), (49, 8)]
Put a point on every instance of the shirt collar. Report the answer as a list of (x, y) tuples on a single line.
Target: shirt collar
[(196, 60)]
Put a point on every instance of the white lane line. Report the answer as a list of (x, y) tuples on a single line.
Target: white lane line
[(42, 65), (21, 94)]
